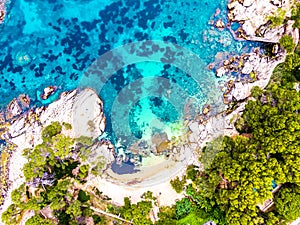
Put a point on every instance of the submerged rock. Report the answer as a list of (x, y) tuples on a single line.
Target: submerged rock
[(23, 58)]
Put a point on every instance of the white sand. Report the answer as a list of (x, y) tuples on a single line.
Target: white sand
[(155, 178)]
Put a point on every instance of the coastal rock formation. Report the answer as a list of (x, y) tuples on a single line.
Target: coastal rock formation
[(102, 155), (256, 25), (259, 68), (48, 91), (203, 131), (13, 109), (82, 109), (254, 18)]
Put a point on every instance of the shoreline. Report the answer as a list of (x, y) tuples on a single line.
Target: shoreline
[(155, 178)]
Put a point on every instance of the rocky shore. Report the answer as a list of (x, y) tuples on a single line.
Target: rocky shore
[(80, 108), (255, 69), (83, 110), (254, 19)]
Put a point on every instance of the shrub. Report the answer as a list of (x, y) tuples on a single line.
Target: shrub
[(177, 184), (278, 18), (287, 43), (50, 131)]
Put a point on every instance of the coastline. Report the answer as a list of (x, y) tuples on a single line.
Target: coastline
[(25, 132), (155, 178)]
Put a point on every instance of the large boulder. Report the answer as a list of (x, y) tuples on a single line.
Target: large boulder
[(82, 109)]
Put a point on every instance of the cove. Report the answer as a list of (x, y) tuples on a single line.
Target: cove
[(57, 43)]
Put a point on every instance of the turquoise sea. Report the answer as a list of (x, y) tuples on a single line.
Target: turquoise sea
[(156, 51)]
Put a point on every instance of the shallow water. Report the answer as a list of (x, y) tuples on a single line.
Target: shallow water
[(150, 86)]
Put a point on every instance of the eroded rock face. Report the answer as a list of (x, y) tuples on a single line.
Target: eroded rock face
[(260, 65), (253, 15), (82, 109)]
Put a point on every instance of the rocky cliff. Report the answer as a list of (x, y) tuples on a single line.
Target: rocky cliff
[(254, 18)]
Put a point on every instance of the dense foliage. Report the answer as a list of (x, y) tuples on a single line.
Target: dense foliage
[(288, 43), (278, 18), (296, 15), (54, 174), (287, 202), (240, 173)]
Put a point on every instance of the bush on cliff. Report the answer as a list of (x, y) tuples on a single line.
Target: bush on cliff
[(287, 43)]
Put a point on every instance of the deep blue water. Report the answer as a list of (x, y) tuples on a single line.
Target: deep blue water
[(146, 86)]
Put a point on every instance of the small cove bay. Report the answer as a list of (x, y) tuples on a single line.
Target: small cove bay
[(157, 53)]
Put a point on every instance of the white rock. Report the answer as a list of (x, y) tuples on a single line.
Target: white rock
[(248, 3), (101, 151), (248, 67), (232, 5), (249, 28), (194, 126), (221, 71)]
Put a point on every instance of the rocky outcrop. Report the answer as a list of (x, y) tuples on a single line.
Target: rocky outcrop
[(253, 15), (203, 131), (101, 156), (256, 69), (48, 91), (82, 109)]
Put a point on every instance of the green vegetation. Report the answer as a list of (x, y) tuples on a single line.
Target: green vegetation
[(239, 173), (38, 220), (54, 174), (278, 18), (287, 202), (67, 126), (296, 15), (287, 43), (138, 213), (178, 184)]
